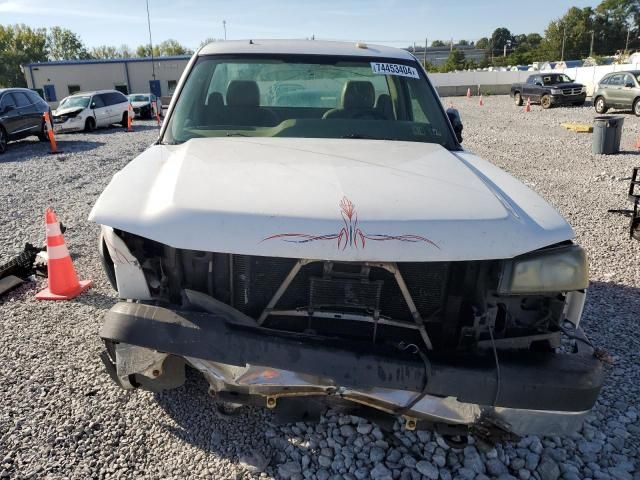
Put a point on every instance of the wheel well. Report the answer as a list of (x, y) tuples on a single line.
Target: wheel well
[(107, 263)]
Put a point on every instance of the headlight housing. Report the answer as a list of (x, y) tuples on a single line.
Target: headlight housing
[(560, 269), (556, 91), (584, 89)]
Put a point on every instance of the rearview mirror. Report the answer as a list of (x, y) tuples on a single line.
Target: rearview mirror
[(456, 122)]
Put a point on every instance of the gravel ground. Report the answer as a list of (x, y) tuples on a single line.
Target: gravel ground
[(61, 416)]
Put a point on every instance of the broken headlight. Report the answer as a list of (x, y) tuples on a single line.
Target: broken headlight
[(561, 269)]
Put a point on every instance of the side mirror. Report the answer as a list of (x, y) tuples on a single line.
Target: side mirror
[(539, 84), (93, 105), (8, 108), (629, 85), (456, 122)]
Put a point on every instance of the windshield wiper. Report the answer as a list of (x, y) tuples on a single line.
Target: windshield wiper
[(360, 136), (237, 134)]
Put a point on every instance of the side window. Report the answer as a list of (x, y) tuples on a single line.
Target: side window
[(628, 80), (98, 101), (531, 80), (605, 81), (34, 97), (117, 97), (21, 99), (616, 80), (7, 101)]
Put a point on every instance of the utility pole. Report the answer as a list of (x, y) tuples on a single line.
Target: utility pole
[(591, 49), (626, 45), (153, 64), (564, 36), (224, 26), (424, 54), (414, 49), (451, 45)]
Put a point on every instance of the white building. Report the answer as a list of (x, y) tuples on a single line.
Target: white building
[(56, 80)]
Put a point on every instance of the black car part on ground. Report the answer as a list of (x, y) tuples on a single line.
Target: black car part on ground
[(22, 265), (18, 268)]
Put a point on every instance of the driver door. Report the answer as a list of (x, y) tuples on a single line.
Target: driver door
[(9, 115), (100, 111)]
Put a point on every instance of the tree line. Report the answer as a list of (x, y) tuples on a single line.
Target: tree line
[(611, 27), (21, 44)]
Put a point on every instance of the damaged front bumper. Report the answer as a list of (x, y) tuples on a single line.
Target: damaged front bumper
[(537, 393)]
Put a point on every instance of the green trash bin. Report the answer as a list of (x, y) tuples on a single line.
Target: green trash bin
[(607, 132)]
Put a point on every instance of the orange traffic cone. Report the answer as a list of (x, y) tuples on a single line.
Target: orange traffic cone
[(527, 107), (638, 143), (63, 281), (469, 92), (481, 101), (130, 119), (52, 138)]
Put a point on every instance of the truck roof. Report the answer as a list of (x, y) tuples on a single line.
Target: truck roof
[(304, 47)]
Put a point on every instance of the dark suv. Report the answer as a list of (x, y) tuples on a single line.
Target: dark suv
[(21, 115)]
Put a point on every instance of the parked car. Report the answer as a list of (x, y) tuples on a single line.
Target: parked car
[(618, 90), (144, 105), (21, 115), (300, 254), (549, 90), (89, 110)]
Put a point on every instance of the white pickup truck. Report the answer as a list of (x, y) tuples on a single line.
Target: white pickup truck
[(308, 231)]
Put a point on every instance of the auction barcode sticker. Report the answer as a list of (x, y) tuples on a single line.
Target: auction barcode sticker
[(394, 69)]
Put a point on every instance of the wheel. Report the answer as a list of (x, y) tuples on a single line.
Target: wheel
[(600, 105), (545, 101), (4, 139), (89, 125), (42, 134), (517, 98), (636, 107), (125, 119)]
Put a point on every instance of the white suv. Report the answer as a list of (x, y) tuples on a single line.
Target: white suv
[(88, 110)]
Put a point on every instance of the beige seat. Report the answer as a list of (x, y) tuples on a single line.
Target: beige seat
[(243, 106), (357, 102)]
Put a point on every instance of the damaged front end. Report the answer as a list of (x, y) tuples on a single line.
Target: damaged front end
[(468, 346)]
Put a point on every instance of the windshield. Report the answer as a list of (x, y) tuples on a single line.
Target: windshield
[(71, 102), (555, 79), (308, 96), (138, 98)]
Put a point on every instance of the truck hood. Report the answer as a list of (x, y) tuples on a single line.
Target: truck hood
[(67, 111), (566, 85), (333, 199)]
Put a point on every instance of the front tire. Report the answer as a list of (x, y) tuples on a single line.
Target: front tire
[(517, 99), (545, 101), (636, 107), (4, 139), (600, 106), (89, 125), (42, 134)]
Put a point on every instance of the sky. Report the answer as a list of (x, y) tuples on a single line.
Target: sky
[(390, 22)]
